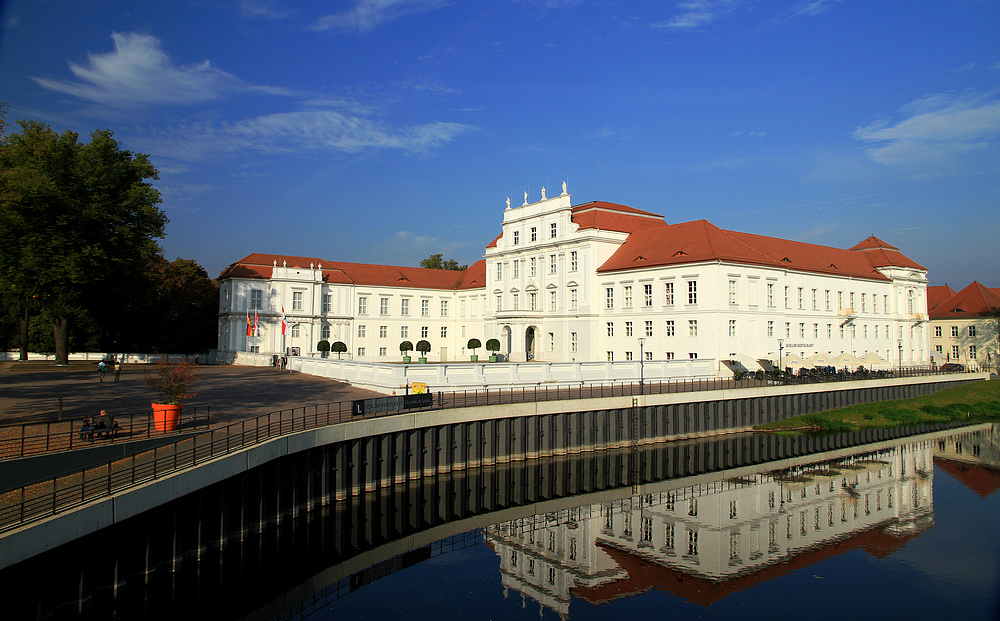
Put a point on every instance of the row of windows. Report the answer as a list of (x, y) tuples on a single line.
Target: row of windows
[(574, 301), (670, 329), (383, 331), (516, 264), (533, 232), (404, 306), (956, 351), (851, 299), (954, 331), (647, 295), (649, 355)]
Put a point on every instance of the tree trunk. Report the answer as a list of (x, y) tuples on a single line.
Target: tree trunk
[(60, 330), (24, 332)]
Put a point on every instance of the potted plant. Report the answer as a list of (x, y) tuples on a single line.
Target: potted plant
[(323, 347), (338, 347), (474, 344), (172, 381), (404, 347), (423, 347), (493, 345)]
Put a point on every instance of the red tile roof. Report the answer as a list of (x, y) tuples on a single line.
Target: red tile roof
[(938, 294), (882, 254), (614, 217), (261, 266), (700, 241), (973, 301)]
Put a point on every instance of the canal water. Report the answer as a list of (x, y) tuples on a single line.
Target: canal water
[(900, 527)]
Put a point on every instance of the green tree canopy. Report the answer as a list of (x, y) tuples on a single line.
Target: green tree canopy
[(437, 262), (78, 224)]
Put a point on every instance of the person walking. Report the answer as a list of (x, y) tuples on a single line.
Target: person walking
[(118, 370), (101, 367)]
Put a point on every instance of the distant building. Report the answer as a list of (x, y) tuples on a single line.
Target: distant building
[(597, 281), (964, 325)]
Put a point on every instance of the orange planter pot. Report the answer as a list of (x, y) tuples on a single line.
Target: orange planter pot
[(166, 417)]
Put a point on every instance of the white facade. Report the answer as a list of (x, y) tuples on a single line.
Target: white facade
[(545, 297)]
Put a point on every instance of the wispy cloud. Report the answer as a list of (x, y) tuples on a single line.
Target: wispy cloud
[(935, 130), (139, 73), (696, 14), (262, 9), (296, 132), (365, 15), (813, 8)]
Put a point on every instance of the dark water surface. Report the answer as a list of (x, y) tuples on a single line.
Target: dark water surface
[(908, 528)]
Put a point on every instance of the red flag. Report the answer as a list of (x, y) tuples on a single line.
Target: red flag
[(256, 325), (249, 325), (284, 324)]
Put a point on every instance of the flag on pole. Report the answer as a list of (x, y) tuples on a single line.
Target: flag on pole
[(249, 325), (284, 324), (256, 325)]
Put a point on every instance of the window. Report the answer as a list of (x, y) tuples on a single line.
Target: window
[(382, 351), (826, 299), (611, 356), (552, 230), (670, 328), (425, 308), (552, 341), (732, 327), (692, 292), (876, 330), (649, 328), (770, 329), (404, 307), (361, 330), (972, 352), (444, 332), (531, 263), (461, 308), (572, 299), (404, 332), (732, 292), (649, 355), (628, 296), (327, 302), (362, 306), (954, 351), (972, 330), (534, 233), (669, 355), (361, 351), (424, 331), (692, 327), (628, 355), (295, 331), (533, 301), (628, 328), (515, 268), (851, 297), (937, 331), (693, 355), (816, 330), (383, 306), (939, 349), (297, 300), (383, 332), (499, 271), (829, 330), (954, 331), (517, 237), (256, 299), (552, 264), (444, 308), (770, 294), (815, 303), (788, 330), (786, 297), (573, 262), (801, 307), (499, 302), (909, 301), (609, 297), (647, 295), (864, 302), (669, 299), (325, 332), (573, 342), (515, 300), (552, 300), (611, 328)]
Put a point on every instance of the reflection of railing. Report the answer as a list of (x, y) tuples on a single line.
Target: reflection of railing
[(42, 499)]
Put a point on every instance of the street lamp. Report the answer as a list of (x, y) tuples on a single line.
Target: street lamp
[(900, 356), (642, 341), (781, 347)]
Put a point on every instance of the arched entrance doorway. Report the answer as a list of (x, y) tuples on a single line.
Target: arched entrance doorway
[(505, 342), (529, 343)]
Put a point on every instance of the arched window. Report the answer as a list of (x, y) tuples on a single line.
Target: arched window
[(326, 332), (910, 301)]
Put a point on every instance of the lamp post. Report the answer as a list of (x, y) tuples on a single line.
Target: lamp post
[(900, 356), (781, 346), (642, 341)]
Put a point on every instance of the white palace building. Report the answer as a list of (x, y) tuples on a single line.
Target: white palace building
[(597, 282)]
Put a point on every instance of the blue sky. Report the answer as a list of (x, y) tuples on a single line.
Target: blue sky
[(382, 131)]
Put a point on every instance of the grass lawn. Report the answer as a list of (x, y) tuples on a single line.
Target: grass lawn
[(978, 402)]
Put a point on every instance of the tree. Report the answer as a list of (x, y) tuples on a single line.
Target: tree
[(323, 347), (493, 346), (78, 223), (474, 344), (404, 347), (423, 347), (339, 347), (437, 262)]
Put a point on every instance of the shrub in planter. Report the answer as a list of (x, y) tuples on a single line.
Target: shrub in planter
[(493, 345), (323, 347), (339, 347), (474, 344), (172, 381), (404, 347), (423, 347)]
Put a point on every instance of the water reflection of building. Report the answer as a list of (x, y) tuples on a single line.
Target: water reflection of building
[(973, 458), (704, 541)]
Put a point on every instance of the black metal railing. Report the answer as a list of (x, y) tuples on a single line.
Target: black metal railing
[(64, 492), (34, 438)]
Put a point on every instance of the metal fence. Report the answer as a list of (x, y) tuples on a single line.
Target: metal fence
[(34, 438), (64, 492)]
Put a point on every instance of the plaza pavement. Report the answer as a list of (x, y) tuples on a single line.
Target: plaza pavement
[(30, 391)]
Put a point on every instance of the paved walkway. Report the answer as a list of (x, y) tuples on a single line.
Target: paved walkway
[(30, 391)]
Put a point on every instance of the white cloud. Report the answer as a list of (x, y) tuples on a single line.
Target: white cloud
[(262, 9), (937, 129), (697, 13), (138, 72), (293, 132), (367, 14), (813, 8)]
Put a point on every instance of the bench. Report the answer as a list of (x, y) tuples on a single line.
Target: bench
[(89, 432)]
